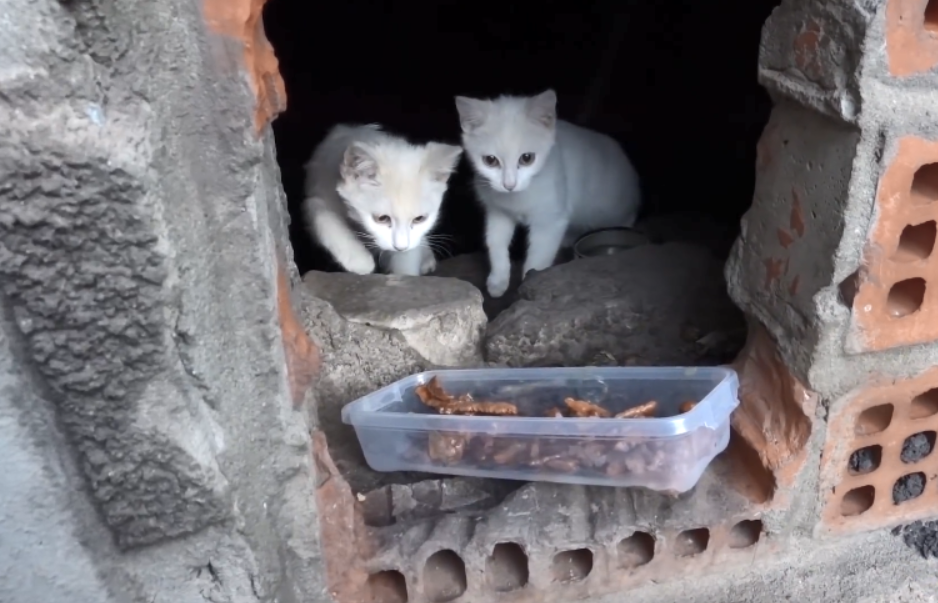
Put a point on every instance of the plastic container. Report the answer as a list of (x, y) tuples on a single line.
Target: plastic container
[(667, 453)]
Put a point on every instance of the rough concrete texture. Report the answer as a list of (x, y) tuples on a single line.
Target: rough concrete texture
[(140, 226), (567, 543), (399, 326), (651, 305), (795, 265), (812, 52)]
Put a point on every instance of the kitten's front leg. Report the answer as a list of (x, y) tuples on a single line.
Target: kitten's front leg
[(544, 240), (499, 230), (334, 234)]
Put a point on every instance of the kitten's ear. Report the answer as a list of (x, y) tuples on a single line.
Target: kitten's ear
[(543, 108), (471, 112), (359, 164), (442, 160)]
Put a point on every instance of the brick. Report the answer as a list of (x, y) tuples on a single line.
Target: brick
[(896, 302), (875, 439), (242, 20), (775, 416), (809, 54), (911, 36), (798, 241)]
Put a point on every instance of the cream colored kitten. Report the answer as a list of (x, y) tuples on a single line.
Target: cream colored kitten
[(367, 188)]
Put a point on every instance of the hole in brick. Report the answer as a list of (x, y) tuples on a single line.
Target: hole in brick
[(636, 550), (847, 290), (908, 487), (387, 587), (916, 242), (507, 568), (572, 566), (444, 576), (917, 446), (905, 297), (857, 501), (874, 420), (931, 16), (924, 405), (925, 181), (745, 534), (865, 460), (692, 542)]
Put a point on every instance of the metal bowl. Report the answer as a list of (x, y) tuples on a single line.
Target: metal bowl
[(608, 241)]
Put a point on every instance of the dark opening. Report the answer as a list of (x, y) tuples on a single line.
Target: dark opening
[(745, 533), (572, 566), (905, 297), (931, 16), (925, 404), (917, 446), (444, 577), (642, 72), (387, 587), (636, 550), (857, 501), (908, 487), (916, 242), (865, 460), (874, 420), (692, 542), (507, 568)]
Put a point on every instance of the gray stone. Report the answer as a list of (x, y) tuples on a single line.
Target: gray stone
[(441, 319), (646, 306), (400, 326)]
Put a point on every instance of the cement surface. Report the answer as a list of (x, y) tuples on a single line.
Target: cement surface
[(869, 568)]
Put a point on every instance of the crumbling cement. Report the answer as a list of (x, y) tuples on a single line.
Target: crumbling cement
[(141, 223)]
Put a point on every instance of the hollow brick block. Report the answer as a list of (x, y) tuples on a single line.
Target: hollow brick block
[(858, 491), (809, 54), (911, 36), (896, 301), (807, 206)]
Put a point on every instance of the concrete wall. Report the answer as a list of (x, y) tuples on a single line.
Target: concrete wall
[(154, 448)]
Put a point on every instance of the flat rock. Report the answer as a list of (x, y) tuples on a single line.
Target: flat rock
[(652, 305), (373, 330)]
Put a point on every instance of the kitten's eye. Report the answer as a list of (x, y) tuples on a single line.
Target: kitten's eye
[(382, 219), (526, 159), (490, 160), (420, 219)]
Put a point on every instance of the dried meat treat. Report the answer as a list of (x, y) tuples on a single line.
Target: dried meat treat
[(582, 408), (554, 413), (433, 395), (687, 406), (646, 410), (447, 447), (462, 407)]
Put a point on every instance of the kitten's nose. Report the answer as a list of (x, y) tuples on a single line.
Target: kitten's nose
[(510, 187), (399, 247)]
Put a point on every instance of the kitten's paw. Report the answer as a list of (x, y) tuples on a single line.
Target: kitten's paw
[(428, 263), (497, 284), (360, 263)]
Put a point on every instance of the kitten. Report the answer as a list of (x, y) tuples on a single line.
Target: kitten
[(559, 179), (367, 189)]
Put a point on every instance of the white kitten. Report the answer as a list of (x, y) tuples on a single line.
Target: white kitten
[(363, 183), (559, 179)]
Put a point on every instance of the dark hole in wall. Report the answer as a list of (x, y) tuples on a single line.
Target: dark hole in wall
[(683, 100)]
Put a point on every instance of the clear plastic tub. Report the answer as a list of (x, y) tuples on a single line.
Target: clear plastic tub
[(667, 453)]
